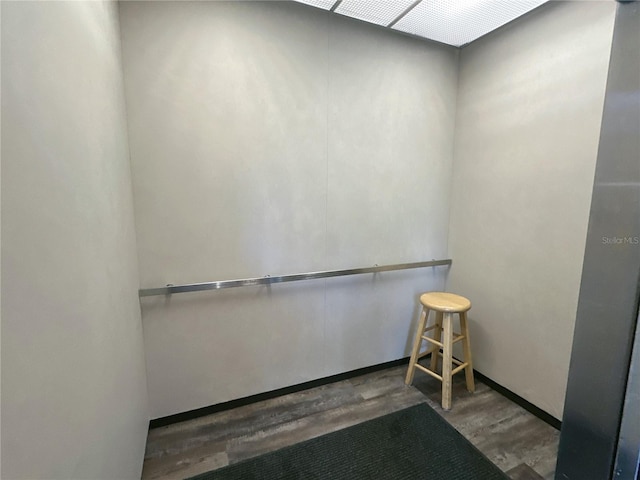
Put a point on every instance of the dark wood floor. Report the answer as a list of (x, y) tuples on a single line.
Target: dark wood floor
[(516, 441)]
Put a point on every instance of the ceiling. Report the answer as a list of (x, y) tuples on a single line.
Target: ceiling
[(454, 22)]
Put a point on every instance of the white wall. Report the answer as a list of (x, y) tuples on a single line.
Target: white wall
[(74, 400), (529, 110), (273, 138)]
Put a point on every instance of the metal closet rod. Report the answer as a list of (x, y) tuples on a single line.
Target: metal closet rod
[(268, 280)]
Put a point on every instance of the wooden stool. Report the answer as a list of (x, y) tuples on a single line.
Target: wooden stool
[(444, 305)]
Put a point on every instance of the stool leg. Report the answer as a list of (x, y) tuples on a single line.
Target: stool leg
[(466, 346), (437, 336), (446, 360), (422, 323)]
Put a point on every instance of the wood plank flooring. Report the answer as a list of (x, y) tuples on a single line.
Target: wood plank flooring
[(516, 441)]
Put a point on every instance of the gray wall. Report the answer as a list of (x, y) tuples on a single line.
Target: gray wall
[(74, 400), (273, 138), (530, 105)]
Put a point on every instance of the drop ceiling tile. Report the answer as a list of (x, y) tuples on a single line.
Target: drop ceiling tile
[(378, 12), (324, 4), (458, 22)]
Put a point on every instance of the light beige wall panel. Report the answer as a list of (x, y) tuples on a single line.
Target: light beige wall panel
[(74, 399), (372, 319), (227, 113), (211, 347), (391, 118), (529, 110), (390, 140)]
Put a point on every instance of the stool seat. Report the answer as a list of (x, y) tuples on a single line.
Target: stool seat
[(445, 302)]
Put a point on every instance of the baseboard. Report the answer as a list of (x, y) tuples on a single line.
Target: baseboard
[(220, 407), (240, 402), (515, 398)]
